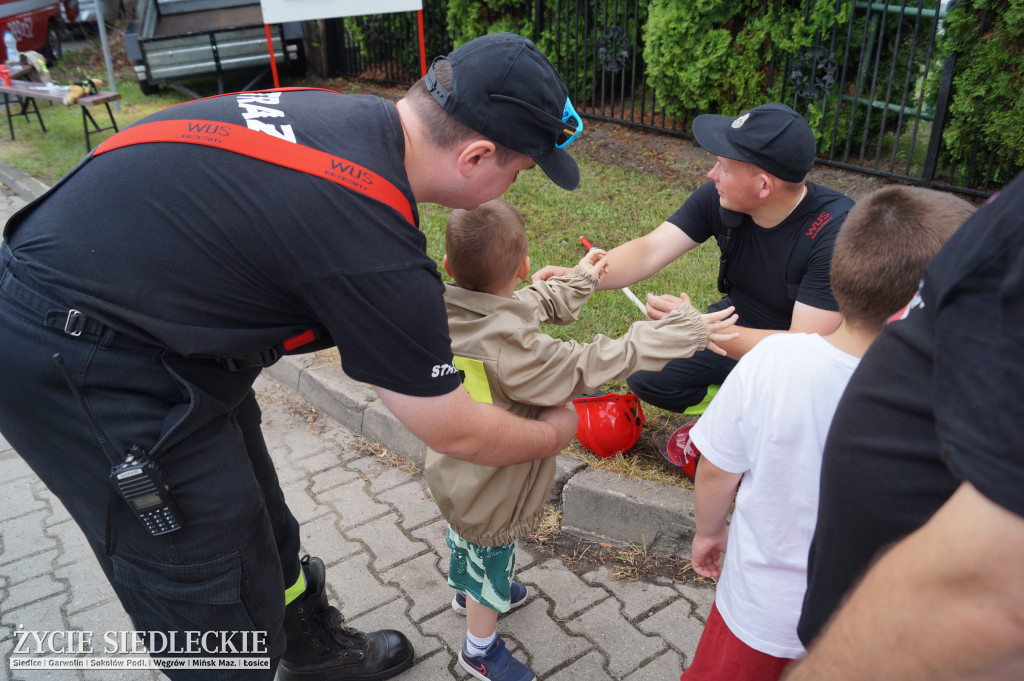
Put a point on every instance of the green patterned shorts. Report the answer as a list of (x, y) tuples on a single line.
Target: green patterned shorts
[(483, 572)]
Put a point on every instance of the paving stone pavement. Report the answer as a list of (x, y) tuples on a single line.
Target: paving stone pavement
[(382, 538)]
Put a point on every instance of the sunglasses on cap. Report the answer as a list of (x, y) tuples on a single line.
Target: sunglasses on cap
[(566, 133)]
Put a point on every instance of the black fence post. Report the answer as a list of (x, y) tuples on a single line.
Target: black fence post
[(931, 159), (538, 18)]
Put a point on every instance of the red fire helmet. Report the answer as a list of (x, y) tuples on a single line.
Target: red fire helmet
[(609, 423), (681, 451)]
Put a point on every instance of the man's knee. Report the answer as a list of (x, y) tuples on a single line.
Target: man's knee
[(664, 392), (682, 382)]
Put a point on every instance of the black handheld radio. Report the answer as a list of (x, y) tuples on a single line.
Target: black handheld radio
[(136, 477)]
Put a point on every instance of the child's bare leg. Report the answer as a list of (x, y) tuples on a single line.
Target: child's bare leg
[(484, 654), (480, 620)]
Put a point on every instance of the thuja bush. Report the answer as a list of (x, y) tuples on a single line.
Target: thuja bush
[(468, 19), (987, 106), (714, 55)]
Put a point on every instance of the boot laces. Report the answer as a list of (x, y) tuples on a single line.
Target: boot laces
[(332, 633)]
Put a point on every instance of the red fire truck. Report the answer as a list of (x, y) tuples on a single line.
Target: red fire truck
[(37, 24)]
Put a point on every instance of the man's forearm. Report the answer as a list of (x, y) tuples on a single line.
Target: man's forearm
[(639, 258), (627, 264), (945, 603), (501, 438), (455, 425), (747, 339), (806, 319)]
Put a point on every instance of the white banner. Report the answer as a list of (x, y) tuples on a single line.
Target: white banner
[(278, 11), (52, 662)]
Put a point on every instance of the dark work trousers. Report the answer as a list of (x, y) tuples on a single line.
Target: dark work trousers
[(683, 382), (227, 567)]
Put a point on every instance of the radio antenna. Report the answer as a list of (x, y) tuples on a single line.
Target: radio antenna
[(105, 445)]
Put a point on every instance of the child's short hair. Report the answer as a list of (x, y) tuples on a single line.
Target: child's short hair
[(883, 246), (485, 246)]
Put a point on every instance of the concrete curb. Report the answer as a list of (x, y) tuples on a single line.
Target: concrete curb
[(596, 505), (27, 187)]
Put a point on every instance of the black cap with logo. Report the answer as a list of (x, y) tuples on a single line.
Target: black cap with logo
[(505, 89), (773, 137)]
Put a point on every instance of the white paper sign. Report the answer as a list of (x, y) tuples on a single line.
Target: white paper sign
[(279, 11)]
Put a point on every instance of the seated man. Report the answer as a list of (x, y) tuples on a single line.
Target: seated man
[(776, 233)]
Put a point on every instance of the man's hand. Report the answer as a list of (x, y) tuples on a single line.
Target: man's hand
[(706, 553), (548, 271), (563, 419), (595, 262), (455, 425)]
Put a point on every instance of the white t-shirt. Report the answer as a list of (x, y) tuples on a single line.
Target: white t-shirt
[(769, 422)]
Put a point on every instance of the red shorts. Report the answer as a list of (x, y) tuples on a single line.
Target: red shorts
[(720, 656)]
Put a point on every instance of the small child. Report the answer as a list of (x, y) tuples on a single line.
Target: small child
[(766, 428), (506, 360)]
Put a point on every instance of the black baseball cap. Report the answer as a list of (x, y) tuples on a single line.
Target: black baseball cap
[(773, 137), (505, 89)]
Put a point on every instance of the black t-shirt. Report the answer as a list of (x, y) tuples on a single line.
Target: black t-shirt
[(210, 253), (757, 265), (937, 400)]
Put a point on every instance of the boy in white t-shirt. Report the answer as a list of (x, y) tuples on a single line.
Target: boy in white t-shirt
[(766, 428)]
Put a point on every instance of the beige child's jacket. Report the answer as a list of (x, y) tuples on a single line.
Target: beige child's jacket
[(527, 370)]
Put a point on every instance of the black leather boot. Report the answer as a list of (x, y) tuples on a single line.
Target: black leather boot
[(322, 648)]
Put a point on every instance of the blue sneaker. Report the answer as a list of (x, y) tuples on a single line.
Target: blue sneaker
[(497, 664), (519, 594)]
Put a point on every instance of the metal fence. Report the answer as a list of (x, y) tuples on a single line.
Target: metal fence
[(866, 80)]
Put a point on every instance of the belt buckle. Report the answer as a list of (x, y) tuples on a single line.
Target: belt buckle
[(73, 316)]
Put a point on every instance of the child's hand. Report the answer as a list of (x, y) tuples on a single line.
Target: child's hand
[(548, 271), (716, 323), (595, 262), (706, 554), (659, 306)]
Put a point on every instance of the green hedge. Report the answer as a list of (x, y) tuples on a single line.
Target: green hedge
[(713, 55), (468, 19), (987, 107)]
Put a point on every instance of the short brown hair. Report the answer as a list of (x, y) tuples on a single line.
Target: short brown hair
[(883, 246), (485, 246), (445, 131)]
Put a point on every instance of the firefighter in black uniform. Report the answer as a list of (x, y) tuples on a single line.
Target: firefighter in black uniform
[(141, 296)]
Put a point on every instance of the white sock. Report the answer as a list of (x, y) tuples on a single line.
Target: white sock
[(477, 646)]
